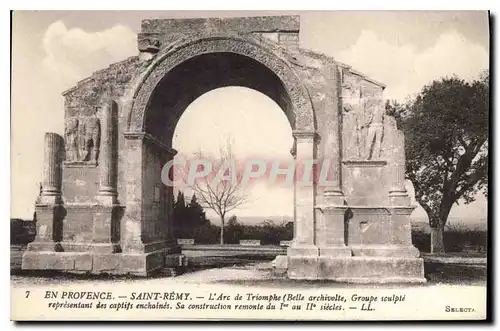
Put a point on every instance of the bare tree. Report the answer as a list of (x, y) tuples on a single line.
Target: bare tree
[(221, 194)]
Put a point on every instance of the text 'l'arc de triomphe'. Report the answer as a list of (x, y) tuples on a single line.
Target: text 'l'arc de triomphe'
[(104, 209)]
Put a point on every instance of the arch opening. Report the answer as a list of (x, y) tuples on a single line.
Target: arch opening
[(245, 121), (170, 85), (204, 73)]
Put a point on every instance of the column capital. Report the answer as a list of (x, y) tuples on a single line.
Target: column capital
[(306, 135), (132, 135)]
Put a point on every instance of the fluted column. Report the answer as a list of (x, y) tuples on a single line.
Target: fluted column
[(333, 143), (398, 194), (108, 154), (333, 193), (52, 169)]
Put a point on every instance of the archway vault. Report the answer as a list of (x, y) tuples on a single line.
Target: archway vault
[(185, 70)]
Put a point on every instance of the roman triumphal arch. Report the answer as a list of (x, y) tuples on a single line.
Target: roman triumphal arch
[(104, 209)]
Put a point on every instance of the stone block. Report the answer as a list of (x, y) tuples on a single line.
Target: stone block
[(80, 184), (280, 262), (332, 268), (48, 261), (134, 264), (358, 269), (368, 226), (142, 264), (83, 262), (335, 251), (241, 24), (78, 224), (303, 267), (185, 241), (249, 242), (105, 263), (366, 182), (385, 250), (302, 250)]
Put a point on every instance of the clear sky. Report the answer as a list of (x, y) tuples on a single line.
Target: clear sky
[(53, 50)]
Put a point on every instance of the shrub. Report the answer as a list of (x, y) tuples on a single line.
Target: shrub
[(22, 232), (207, 234), (268, 232), (457, 238)]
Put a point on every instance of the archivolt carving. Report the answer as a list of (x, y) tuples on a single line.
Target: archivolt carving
[(169, 59)]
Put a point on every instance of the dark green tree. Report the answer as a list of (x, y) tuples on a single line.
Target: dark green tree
[(179, 213), (446, 135), (196, 213), (188, 217)]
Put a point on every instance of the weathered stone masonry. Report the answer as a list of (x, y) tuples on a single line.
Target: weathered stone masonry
[(103, 207)]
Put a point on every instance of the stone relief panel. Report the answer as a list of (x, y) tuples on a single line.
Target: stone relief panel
[(82, 138), (352, 119), (373, 126), (363, 119)]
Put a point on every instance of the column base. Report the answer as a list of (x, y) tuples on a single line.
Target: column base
[(54, 199), (334, 197), (46, 246), (403, 251), (101, 248), (107, 199), (365, 270), (335, 251), (302, 250), (398, 197)]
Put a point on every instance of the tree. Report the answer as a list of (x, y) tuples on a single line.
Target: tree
[(188, 217), (179, 212), (446, 131), (221, 195), (196, 213)]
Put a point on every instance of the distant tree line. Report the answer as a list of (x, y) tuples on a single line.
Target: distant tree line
[(190, 222)]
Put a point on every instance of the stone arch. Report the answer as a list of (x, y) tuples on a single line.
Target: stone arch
[(303, 115), (153, 101)]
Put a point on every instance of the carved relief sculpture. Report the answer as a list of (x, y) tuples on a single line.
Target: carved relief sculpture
[(354, 116), (374, 127), (92, 129), (71, 137), (82, 138)]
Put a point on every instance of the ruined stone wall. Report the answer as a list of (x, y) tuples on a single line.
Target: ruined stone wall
[(86, 94), (81, 176)]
